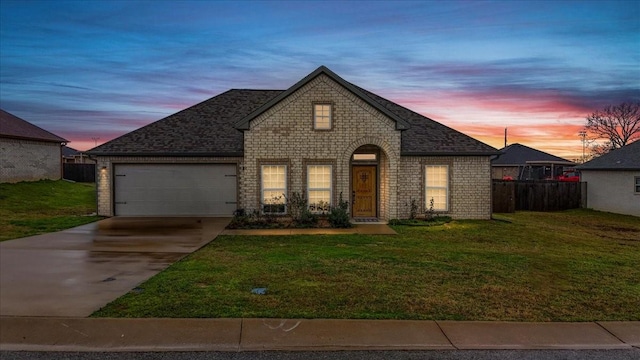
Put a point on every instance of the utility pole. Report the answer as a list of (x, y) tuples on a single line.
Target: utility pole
[(583, 135), (505, 137)]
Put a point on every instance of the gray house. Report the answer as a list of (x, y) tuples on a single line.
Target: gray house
[(27, 152), (323, 137), (613, 180)]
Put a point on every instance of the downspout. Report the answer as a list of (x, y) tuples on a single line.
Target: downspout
[(61, 161), (96, 177)]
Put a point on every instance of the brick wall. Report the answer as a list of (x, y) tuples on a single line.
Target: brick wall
[(469, 185), (285, 133), (26, 160), (104, 177)]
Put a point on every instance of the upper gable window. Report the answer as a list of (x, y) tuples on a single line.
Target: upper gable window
[(322, 116)]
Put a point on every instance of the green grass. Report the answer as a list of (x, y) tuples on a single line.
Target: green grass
[(31, 208), (567, 266)]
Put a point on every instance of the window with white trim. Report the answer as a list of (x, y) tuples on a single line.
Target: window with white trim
[(322, 116), (436, 180), (319, 187), (637, 178), (274, 188)]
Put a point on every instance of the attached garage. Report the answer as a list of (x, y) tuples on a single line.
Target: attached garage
[(175, 189)]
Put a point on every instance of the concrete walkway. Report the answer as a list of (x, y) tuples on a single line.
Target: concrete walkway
[(76, 334)]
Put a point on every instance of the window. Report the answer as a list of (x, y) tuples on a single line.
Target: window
[(274, 188), (319, 187), (322, 116), (364, 157), (637, 184), (436, 179)]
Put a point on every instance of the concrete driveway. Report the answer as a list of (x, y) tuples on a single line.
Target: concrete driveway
[(75, 272)]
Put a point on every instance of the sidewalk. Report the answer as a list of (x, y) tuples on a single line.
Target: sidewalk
[(88, 334)]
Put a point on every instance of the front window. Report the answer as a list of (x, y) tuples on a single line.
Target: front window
[(274, 188), (319, 187), (637, 184), (322, 116), (436, 179)]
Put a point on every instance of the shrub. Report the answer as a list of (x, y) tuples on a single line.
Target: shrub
[(299, 211), (339, 215)]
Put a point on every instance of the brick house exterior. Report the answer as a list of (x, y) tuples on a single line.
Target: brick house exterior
[(27, 152), (265, 130)]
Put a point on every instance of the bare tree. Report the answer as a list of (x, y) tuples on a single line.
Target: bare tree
[(619, 124)]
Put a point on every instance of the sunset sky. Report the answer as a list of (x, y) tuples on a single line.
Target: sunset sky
[(99, 69)]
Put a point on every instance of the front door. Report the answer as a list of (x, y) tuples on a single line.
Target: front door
[(364, 191)]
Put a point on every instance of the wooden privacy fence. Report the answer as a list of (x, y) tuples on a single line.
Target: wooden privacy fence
[(79, 172), (510, 196)]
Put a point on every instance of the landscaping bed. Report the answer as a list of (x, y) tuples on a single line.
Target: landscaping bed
[(576, 265)]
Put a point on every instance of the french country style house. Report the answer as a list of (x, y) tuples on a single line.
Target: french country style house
[(323, 138)]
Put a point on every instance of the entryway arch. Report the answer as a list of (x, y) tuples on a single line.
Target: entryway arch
[(372, 180)]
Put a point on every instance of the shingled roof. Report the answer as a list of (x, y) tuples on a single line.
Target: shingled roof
[(624, 158), (426, 137), (212, 128), (12, 126), (205, 129), (518, 155)]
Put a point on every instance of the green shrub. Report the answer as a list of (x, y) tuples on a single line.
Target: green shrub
[(339, 215)]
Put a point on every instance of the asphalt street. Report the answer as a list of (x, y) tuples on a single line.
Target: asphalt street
[(618, 354)]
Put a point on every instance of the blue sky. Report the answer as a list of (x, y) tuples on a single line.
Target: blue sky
[(85, 69)]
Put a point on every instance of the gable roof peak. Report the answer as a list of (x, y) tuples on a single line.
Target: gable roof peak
[(243, 124)]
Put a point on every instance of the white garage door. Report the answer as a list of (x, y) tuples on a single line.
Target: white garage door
[(175, 190)]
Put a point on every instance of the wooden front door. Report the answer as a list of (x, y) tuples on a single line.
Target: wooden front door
[(364, 191)]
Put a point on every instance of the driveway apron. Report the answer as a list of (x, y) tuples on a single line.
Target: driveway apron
[(74, 272)]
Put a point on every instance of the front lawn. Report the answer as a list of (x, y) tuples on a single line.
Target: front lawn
[(576, 265), (31, 208)]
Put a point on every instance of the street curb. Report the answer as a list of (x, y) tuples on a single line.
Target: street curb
[(236, 335)]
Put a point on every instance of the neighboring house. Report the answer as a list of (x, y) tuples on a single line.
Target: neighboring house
[(613, 180), (323, 138), (27, 152), (73, 156), (520, 162)]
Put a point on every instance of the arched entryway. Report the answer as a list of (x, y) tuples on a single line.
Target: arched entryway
[(369, 183)]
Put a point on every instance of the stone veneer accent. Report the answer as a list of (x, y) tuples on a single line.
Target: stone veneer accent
[(104, 178), (469, 185), (28, 160), (285, 131)]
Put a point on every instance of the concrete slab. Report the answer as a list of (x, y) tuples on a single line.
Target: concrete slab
[(627, 331), (277, 334), (515, 335), (75, 334), (77, 271)]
